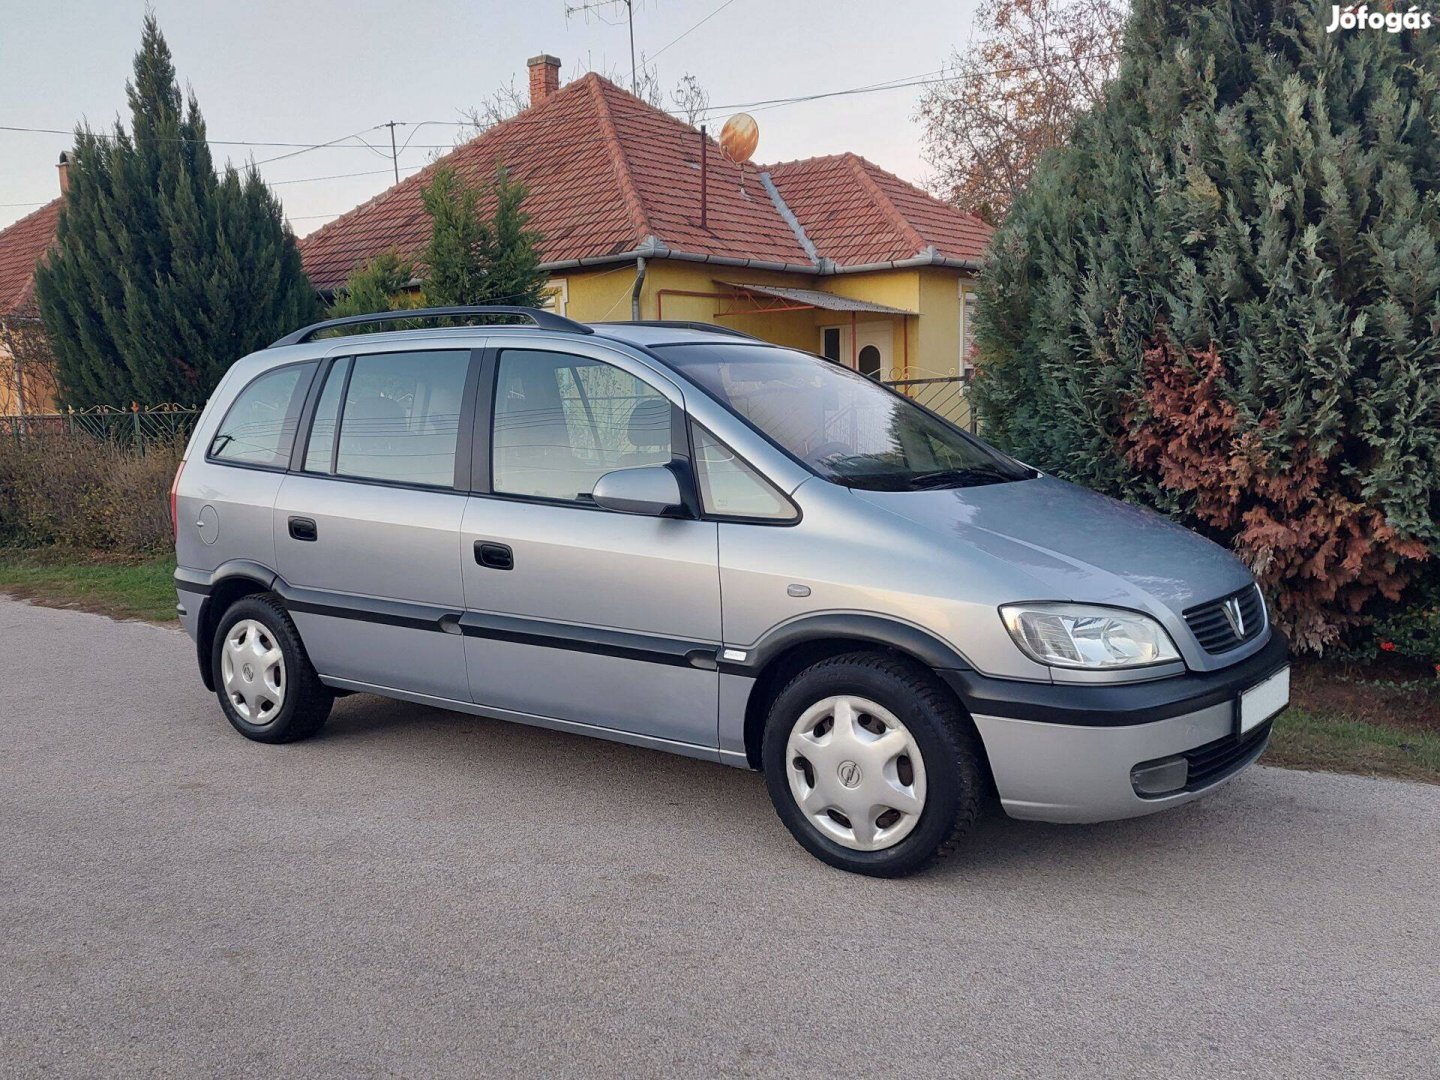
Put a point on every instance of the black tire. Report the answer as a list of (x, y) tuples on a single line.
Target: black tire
[(306, 700), (948, 743)]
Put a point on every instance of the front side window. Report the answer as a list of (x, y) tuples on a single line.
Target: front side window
[(260, 426), (846, 427), (399, 418), (731, 488), (562, 422)]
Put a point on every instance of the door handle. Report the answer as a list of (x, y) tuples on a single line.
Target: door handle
[(303, 528), (495, 556)]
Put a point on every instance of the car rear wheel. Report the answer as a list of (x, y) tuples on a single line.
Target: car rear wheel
[(266, 685), (871, 765)]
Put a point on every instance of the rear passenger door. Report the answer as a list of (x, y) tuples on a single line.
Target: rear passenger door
[(575, 612), (367, 524)]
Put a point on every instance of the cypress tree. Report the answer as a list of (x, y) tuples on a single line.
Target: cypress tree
[(1222, 298), (382, 284), (472, 259), (164, 272)]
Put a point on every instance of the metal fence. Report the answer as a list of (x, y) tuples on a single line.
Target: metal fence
[(136, 426), (947, 396)]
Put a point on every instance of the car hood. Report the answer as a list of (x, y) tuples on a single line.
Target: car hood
[(1076, 545)]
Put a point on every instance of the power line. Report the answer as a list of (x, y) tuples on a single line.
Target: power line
[(697, 26)]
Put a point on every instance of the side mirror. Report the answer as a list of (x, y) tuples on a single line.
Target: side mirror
[(651, 490)]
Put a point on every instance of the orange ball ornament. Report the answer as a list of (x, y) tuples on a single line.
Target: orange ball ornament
[(739, 137)]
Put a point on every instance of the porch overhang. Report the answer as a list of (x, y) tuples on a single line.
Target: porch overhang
[(813, 298)]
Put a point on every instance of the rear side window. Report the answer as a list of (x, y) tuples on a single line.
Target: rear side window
[(399, 417), (562, 422), (260, 427)]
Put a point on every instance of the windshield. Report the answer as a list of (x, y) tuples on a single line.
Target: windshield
[(845, 426)]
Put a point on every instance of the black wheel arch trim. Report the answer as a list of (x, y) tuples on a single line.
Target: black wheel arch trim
[(856, 626), (1116, 704)]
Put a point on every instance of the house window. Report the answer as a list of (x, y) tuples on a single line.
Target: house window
[(968, 305), (557, 296), (830, 343)]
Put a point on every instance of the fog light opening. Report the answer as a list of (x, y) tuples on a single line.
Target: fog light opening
[(1164, 777)]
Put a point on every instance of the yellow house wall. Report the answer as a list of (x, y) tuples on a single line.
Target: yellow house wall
[(929, 342)]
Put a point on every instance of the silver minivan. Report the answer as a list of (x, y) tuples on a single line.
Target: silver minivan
[(683, 538)]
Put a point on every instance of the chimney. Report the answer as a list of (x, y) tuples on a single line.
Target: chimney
[(544, 77), (64, 167)]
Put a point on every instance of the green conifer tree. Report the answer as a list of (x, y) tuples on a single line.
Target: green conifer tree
[(475, 259), (382, 284), (163, 272), (1222, 298)]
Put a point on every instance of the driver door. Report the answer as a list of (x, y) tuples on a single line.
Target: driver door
[(575, 612)]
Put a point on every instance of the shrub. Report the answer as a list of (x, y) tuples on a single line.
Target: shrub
[(77, 491), (1222, 299)]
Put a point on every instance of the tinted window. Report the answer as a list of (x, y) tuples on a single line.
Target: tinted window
[(844, 426), (401, 416), (260, 426), (731, 488), (562, 422)]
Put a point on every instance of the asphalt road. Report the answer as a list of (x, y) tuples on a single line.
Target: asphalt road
[(420, 893)]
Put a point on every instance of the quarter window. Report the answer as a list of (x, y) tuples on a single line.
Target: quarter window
[(260, 426), (562, 422), (400, 417), (731, 488)]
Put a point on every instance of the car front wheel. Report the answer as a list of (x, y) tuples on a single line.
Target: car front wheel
[(871, 765)]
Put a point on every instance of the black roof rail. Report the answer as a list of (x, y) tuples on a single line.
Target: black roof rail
[(545, 320), (682, 324)]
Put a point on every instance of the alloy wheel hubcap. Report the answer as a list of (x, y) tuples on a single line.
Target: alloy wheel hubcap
[(856, 773), (252, 668)]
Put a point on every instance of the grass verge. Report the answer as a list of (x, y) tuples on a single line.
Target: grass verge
[(84, 581), (1328, 741)]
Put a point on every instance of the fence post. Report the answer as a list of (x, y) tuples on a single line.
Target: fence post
[(70, 419), (135, 415)]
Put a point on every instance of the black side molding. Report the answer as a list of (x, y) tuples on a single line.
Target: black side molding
[(1116, 704)]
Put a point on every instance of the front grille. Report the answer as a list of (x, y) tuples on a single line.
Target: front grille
[(1213, 627), (1211, 763)]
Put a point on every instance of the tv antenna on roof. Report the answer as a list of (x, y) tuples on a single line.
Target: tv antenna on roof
[(597, 6)]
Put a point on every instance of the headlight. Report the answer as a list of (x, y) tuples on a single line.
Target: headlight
[(1075, 636)]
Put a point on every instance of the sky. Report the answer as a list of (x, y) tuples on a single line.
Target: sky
[(314, 71)]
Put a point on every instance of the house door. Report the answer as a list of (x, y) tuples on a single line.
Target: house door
[(869, 350)]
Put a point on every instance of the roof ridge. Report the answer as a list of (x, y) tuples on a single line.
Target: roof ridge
[(33, 213), (897, 219), (621, 164), (802, 161)]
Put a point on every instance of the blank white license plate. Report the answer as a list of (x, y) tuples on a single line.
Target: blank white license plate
[(1264, 700)]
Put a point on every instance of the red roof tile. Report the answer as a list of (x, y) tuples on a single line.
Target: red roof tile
[(605, 172), (21, 246), (608, 174), (855, 213)]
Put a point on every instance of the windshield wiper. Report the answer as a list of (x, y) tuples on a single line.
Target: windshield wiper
[(972, 477)]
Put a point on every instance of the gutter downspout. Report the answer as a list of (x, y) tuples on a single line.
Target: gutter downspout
[(635, 289)]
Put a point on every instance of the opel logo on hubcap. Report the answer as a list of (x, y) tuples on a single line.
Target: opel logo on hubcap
[(849, 774)]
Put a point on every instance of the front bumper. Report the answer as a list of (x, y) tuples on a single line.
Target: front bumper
[(1065, 753)]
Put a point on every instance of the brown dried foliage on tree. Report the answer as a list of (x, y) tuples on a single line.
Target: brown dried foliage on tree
[(27, 362), (1015, 93), (1318, 554)]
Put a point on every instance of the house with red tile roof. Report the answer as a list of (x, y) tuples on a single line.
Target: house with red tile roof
[(27, 384), (644, 218)]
